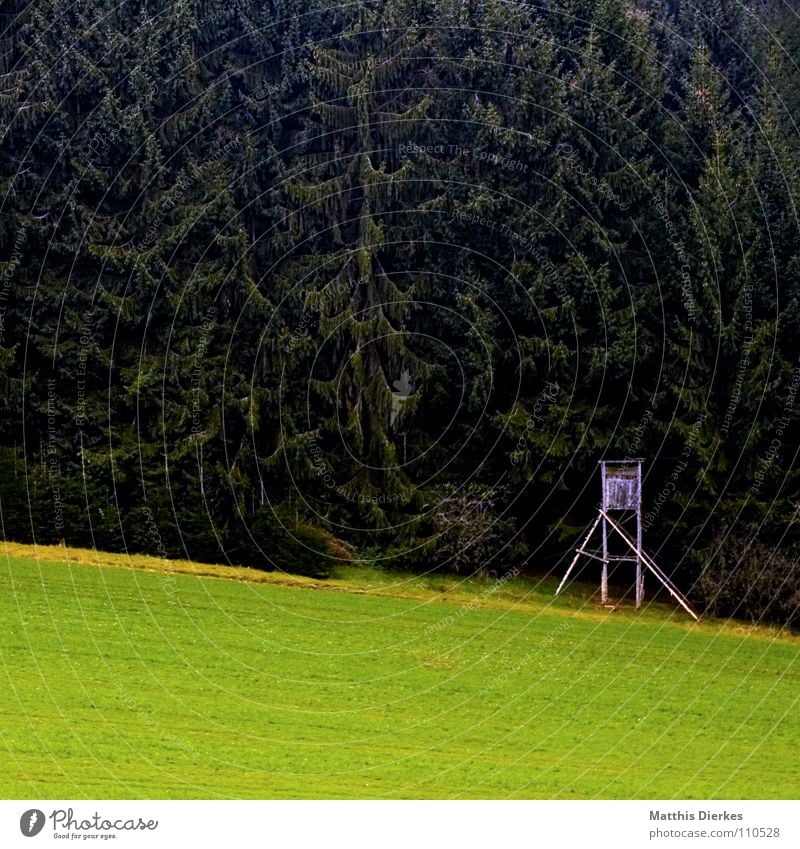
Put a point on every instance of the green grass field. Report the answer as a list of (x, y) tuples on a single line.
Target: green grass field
[(122, 681)]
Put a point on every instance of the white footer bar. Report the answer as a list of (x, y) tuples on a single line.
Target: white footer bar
[(390, 824)]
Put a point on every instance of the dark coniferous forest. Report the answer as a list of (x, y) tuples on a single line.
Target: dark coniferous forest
[(289, 283)]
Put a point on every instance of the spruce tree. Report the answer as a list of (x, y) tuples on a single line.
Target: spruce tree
[(363, 371)]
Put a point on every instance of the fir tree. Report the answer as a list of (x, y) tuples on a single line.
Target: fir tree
[(368, 97)]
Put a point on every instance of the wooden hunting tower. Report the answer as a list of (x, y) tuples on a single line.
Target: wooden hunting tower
[(622, 492), (621, 502)]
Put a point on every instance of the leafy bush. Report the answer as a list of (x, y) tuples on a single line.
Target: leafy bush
[(284, 543), (462, 532), (750, 579)]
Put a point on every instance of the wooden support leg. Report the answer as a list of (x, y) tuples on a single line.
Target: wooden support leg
[(578, 554), (639, 583), (604, 573), (640, 547)]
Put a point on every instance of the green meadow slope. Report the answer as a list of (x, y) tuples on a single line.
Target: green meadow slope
[(123, 680)]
